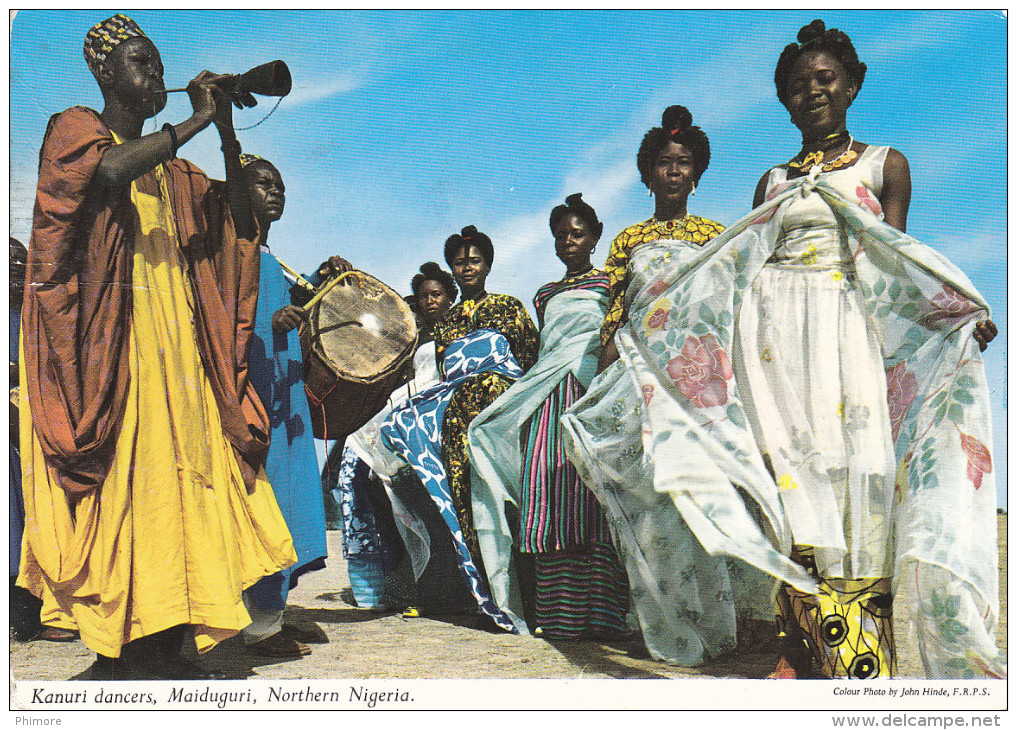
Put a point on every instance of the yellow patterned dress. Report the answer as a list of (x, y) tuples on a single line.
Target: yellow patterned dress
[(690, 228), (504, 314)]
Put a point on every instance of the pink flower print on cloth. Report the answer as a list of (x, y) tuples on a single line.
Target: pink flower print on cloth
[(657, 317), (657, 288), (979, 460), (777, 190), (774, 192), (701, 371), (867, 200), (949, 306), (901, 387), (647, 393)]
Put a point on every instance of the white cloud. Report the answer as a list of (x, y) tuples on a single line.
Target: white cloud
[(603, 186)]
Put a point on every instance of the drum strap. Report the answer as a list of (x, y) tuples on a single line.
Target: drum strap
[(318, 404)]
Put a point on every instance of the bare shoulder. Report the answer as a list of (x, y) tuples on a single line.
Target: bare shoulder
[(896, 194), (895, 166), (760, 194)]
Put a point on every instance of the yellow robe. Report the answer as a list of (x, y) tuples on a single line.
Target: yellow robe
[(172, 536)]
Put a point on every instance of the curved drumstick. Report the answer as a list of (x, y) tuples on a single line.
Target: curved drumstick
[(293, 272), (325, 289)]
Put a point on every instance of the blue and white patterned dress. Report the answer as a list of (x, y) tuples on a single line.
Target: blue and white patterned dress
[(413, 431)]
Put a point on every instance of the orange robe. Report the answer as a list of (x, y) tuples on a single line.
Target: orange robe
[(146, 503)]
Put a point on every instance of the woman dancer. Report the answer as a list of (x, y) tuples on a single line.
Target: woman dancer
[(423, 576), (578, 585), (435, 292), (621, 435), (831, 391), (671, 159), (824, 353), (483, 344)]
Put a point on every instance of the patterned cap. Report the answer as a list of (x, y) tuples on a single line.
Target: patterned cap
[(246, 158), (103, 37)]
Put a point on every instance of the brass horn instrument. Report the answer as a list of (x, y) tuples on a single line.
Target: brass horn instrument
[(268, 79)]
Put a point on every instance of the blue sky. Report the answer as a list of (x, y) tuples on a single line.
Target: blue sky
[(403, 127)]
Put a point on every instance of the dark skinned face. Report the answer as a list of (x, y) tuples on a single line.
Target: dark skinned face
[(432, 300), (573, 242), (268, 193), (819, 93), (469, 269), (133, 72), (672, 176)]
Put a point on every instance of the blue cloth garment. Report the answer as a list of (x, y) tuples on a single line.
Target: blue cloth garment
[(413, 431), (360, 535), (276, 370)]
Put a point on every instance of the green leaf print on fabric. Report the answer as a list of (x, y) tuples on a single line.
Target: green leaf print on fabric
[(734, 412)]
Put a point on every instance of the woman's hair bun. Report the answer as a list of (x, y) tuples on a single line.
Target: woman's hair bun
[(431, 270), (812, 31), (575, 205), (469, 232), (676, 117)]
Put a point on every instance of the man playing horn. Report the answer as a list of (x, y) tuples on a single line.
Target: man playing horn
[(143, 441)]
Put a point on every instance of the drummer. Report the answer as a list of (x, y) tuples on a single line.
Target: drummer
[(276, 369)]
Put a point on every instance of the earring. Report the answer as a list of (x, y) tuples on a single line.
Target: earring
[(593, 250), (651, 192), (693, 189)]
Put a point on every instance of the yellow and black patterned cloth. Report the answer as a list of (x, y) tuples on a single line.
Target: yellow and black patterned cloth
[(504, 314), (499, 312), (246, 158), (848, 625), (691, 228), (102, 38)]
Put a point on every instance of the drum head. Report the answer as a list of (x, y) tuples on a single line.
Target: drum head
[(362, 328)]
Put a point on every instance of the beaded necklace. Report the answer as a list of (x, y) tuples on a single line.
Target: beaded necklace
[(813, 159), (674, 225)]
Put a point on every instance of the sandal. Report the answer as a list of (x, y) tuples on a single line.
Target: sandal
[(279, 647), (312, 634), (783, 670), (54, 633)]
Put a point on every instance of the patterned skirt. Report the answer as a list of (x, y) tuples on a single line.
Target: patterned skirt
[(847, 625), (579, 585), (470, 398)]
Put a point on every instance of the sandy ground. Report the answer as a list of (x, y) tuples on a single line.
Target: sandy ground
[(366, 644)]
